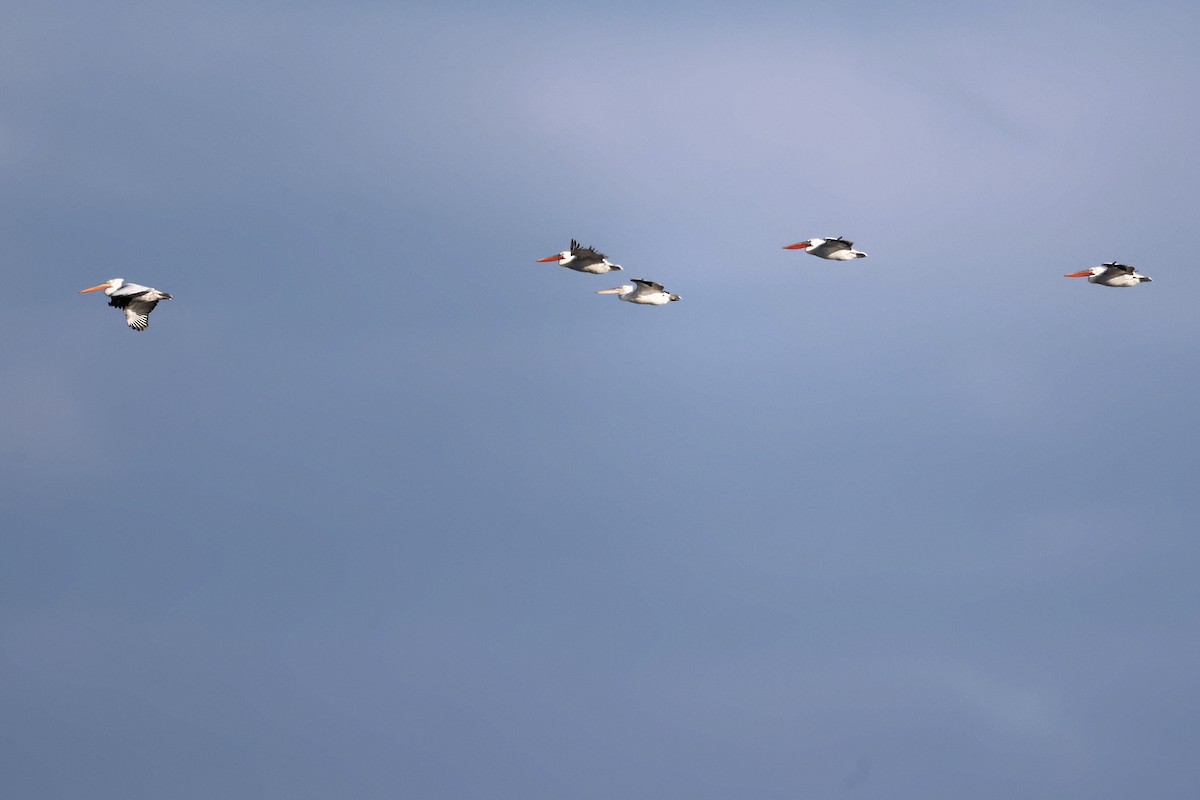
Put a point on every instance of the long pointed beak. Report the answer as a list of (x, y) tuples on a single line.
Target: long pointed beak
[(549, 258), (798, 246), (611, 291), (94, 288), (1087, 273)]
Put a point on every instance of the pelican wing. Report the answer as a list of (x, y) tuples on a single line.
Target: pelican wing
[(649, 285), (137, 313), (127, 294), (1113, 266), (588, 254), (831, 246)]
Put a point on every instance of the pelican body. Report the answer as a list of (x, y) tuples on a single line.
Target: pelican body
[(1111, 274), (582, 259), (646, 293), (836, 249), (136, 301)]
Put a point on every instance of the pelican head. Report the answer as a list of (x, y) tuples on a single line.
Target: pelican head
[(805, 244), (562, 258), (108, 286), (622, 290)]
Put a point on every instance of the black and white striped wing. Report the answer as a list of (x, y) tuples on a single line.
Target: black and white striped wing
[(649, 286), (137, 313)]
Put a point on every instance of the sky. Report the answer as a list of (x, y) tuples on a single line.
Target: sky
[(381, 507)]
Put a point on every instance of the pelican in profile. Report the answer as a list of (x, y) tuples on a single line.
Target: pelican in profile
[(836, 249), (582, 259), (647, 293), (1111, 274), (136, 301)]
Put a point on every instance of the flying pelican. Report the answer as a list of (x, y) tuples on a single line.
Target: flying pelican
[(837, 249), (136, 301), (582, 259), (1112, 274), (647, 293)]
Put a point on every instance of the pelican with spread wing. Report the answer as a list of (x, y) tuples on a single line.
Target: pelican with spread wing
[(1112, 274), (836, 249), (582, 259), (136, 301), (647, 293)]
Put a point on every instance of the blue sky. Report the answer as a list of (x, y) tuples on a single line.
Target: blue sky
[(379, 506)]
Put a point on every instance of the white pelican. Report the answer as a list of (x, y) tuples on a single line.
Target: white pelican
[(1112, 274), (647, 293), (837, 249), (582, 259), (136, 301)]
